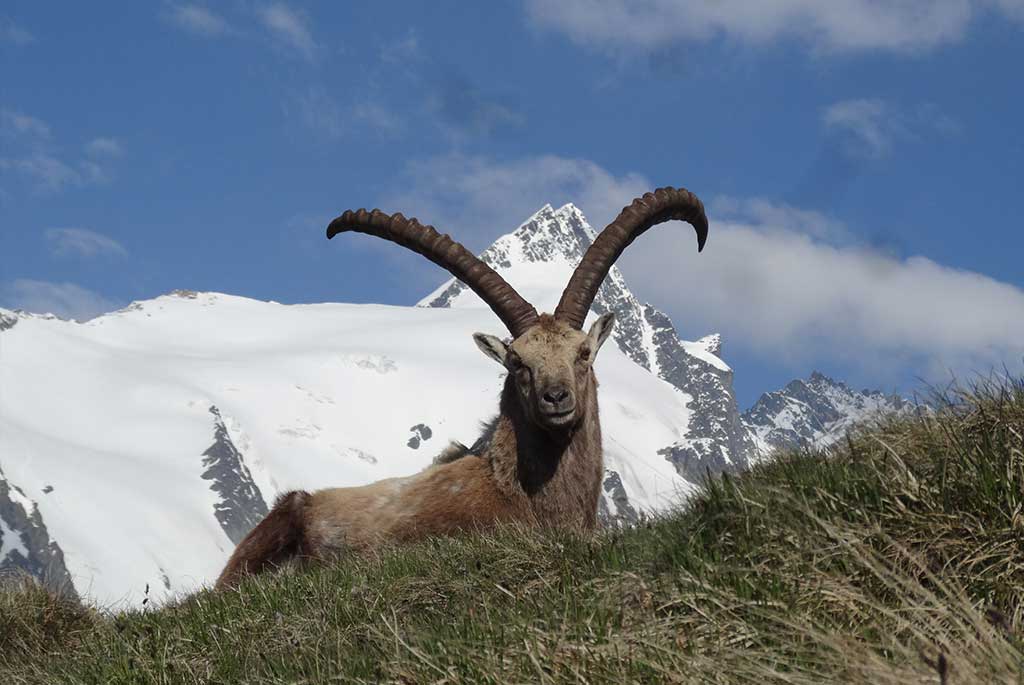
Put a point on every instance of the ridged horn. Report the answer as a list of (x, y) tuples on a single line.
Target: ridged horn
[(515, 312), (664, 204)]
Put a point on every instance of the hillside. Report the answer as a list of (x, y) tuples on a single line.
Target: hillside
[(896, 558)]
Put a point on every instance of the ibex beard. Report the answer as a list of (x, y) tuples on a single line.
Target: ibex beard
[(543, 462)]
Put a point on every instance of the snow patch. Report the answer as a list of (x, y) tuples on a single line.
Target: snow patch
[(10, 542)]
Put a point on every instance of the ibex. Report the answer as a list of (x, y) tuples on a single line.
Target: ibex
[(542, 464)]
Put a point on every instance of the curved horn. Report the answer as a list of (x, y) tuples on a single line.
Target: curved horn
[(654, 208), (515, 312)]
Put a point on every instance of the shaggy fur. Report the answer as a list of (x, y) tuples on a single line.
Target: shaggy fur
[(280, 537)]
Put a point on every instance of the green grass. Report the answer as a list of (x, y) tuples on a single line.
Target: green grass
[(896, 558)]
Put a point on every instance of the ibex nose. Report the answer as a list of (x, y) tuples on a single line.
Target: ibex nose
[(556, 395)]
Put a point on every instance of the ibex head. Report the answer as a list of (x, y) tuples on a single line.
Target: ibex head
[(549, 357), (551, 367)]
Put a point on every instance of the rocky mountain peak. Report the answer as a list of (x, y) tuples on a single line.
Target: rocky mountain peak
[(819, 377), (814, 412), (550, 235), (8, 319), (711, 344)]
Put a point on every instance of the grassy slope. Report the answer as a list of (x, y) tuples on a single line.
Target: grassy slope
[(898, 559)]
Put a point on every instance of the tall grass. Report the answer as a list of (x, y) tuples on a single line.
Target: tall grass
[(896, 558)]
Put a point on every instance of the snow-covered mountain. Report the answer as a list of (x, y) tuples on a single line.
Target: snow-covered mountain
[(813, 413), (137, 448)]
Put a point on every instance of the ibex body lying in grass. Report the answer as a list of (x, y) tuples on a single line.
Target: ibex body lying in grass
[(543, 463)]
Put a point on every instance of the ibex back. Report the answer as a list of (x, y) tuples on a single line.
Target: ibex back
[(543, 462)]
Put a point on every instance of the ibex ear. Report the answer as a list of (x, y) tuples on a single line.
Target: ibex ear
[(493, 347), (600, 331)]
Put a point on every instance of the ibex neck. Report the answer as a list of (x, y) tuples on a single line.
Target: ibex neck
[(560, 474)]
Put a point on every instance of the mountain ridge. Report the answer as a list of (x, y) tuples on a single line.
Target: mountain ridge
[(814, 413)]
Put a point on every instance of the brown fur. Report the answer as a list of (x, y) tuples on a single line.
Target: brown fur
[(533, 471), (279, 537)]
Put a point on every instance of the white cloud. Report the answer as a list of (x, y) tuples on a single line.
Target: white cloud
[(45, 173), (290, 28), (1013, 8), (780, 293), (17, 124), (871, 126), (66, 300), (322, 114), (764, 211), (197, 20), (35, 161), (48, 174), (83, 243), (104, 147), (14, 34), (828, 26), (865, 120)]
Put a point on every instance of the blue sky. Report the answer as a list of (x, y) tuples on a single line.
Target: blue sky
[(861, 160)]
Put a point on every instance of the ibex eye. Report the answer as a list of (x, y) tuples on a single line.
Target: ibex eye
[(584, 354)]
